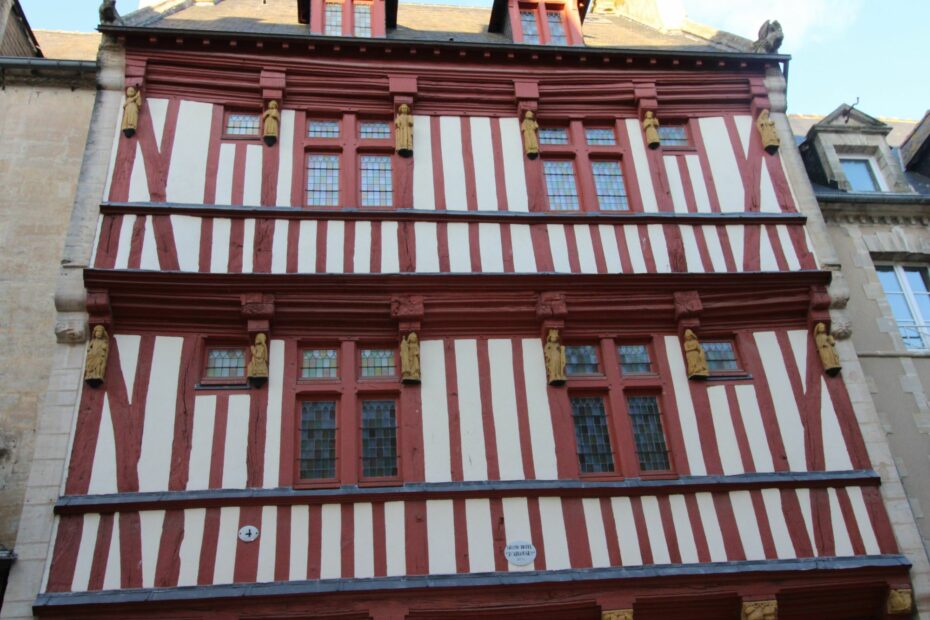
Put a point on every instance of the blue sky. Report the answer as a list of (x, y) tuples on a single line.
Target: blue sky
[(842, 49)]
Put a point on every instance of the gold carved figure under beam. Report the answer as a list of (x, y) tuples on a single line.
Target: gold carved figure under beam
[(766, 127), (760, 610), (651, 129), (530, 137), (258, 365), (131, 111), (900, 601), (826, 347), (403, 131), (98, 349), (410, 358), (695, 356), (555, 358), (271, 121)]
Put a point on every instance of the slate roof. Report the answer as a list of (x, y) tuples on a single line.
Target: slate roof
[(417, 22)]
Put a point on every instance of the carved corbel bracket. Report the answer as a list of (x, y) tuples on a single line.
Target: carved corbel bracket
[(760, 610), (273, 84), (617, 614), (688, 309), (98, 347), (900, 602), (258, 311), (98, 309), (551, 310), (819, 308), (135, 72), (403, 89), (647, 98), (408, 310), (760, 96), (526, 92)]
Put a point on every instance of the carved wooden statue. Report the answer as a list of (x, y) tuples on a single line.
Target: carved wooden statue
[(766, 127), (651, 129), (760, 610), (131, 111), (271, 122), (403, 131), (617, 614), (529, 127), (410, 358), (694, 355), (258, 365), (98, 349), (555, 358), (900, 602), (825, 347)]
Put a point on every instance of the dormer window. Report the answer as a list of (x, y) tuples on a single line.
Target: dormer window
[(344, 18), (333, 19), (363, 20), (545, 23), (860, 174)]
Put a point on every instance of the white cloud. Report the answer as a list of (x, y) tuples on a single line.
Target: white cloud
[(804, 21)]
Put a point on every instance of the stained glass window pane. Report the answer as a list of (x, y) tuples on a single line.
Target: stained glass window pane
[(323, 129), (320, 364), (600, 136), (673, 135), (553, 135), (333, 19), (581, 360), (363, 20), (721, 356), (379, 438), (608, 181), (529, 26), (556, 28), (322, 180), (648, 433), (374, 130), (225, 363), (860, 175), (634, 359), (378, 363), (242, 125), (318, 440), (591, 435), (560, 184), (377, 182)]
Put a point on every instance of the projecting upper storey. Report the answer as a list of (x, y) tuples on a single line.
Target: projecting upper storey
[(608, 23)]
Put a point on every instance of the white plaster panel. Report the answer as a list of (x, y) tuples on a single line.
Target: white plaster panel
[(335, 245), (459, 248), (696, 174), (514, 172), (453, 162), (138, 180), (480, 535), (786, 407), (585, 246), (471, 426), (188, 169), (189, 553), (683, 531), (682, 389), (524, 257), (103, 472), (542, 436), (692, 253), (128, 345), (300, 535), (714, 249), (85, 556), (736, 233), (611, 252), (248, 244), (436, 452), (730, 457), (224, 568), (675, 185), (784, 548), (517, 527), (273, 414), (125, 241), (835, 453), (219, 251), (723, 167), (150, 524), (555, 540), (630, 554), (224, 174), (395, 541), (362, 256), (489, 244), (482, 149), (427, 247), (747, 525), (363, 541), (744, 129), (635, 248), (597, 538), (559, 247), (440, 535), (331, 547), (641, 163), (279, 247), (755, 429), (267, 543), (252, 184), (158, 429), (841, 541), (149, 259), (655, 531), (201, 443), (187, 241), (711, 526), (285, 158), (424, 196), (306, 247), (504, 409), (235, 473)]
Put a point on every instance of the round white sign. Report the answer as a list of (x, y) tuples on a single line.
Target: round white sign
[(248, 533), (520, 553)]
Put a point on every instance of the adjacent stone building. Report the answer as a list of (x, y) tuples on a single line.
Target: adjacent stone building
[(47, 94), (874, 192)]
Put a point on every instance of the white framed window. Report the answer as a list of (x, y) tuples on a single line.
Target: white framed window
[(907, 288), (362, 12), (862, 174), (333, 19)]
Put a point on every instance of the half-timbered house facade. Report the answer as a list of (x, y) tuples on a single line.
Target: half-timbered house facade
[(341, 382)]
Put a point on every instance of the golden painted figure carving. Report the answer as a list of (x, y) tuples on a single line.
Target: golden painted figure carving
[(555, 358), (651, 128), (530, 138), (694, 354), (760, 610), (617, 614), (271, 121), (766, 127), (98, 349), (258, 365), (900, 602), (403, 131), (131, 111), (825, 347), (410, 358)]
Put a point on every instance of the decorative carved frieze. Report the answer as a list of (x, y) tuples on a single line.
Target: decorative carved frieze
[(900, 602), (617, 614), (760, 610)]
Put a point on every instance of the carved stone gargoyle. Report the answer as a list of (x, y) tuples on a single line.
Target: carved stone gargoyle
[(770, 38)]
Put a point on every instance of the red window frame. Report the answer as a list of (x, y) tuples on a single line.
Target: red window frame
[(583, 155), (615, 387), (350, 147), (349, 390), (740, 370), (257, 136), (210, 345), (573, 34), (684, 123)]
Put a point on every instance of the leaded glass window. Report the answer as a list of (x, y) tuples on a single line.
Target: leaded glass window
[(322, 180), (378, 363), (634, 359), (553, 135), (379, 439), (648, 433), (377, 182), (581, 360), (362, 13), (600, 135), (560, 184), (374, 130), (242, 124), (608, 181), (556, 28), (320, 364), (673, 135), (529, 26), (591, 435), (333, 19), (721, 356), (323, 129), (225, 363), (318, 440)]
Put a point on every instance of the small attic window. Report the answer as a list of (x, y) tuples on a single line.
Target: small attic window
[(345, 18), (530, 27), (332, 19), (545, 23), (860, 174)]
